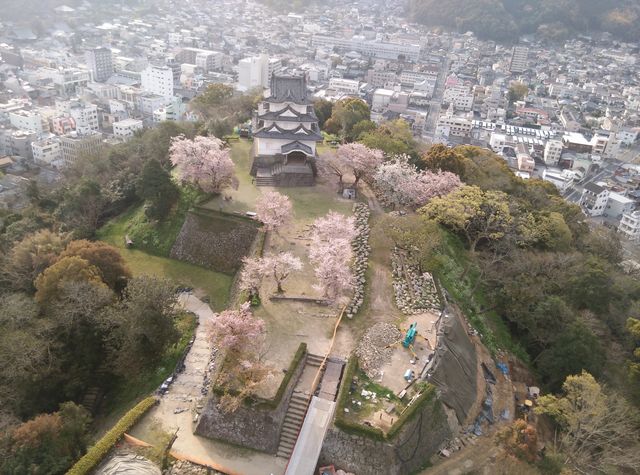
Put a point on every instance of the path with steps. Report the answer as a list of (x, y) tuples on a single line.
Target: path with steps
[(298, 406)]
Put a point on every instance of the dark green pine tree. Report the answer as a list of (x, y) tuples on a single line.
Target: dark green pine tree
[(157, 189)]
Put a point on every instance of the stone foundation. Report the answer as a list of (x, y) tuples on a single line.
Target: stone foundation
[(407, 452), (253, 426)]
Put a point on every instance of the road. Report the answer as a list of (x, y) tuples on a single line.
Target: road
[(436, 101)]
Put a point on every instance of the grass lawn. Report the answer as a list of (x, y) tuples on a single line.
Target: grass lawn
[(215, 285), (126, 394), (156, 238), (309, 203)]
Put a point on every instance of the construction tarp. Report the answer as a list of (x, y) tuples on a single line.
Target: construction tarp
[(455, 365)]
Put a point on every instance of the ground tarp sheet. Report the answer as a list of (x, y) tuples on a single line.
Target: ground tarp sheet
[(454, 371)]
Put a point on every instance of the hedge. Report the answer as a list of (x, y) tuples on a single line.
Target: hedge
[(99, 451), (270, 403), (372, 432)]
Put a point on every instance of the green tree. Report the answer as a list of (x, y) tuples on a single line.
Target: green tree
[(29, 258), (598, 430), (213, 96), (107, 259), (345, 115), (157, 189), (323, 109), (517, 91), (574, 350), (143, 325), (477, 215), (604, 243), (363, 127), (81, 208), (47, 444), (590, 285), (441, 157), (50, 282), (393, 138), (25, 348)]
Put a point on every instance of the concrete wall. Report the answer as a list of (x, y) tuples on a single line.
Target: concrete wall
[(252, 427), (420, 438)]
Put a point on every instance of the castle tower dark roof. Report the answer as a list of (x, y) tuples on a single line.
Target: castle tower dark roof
[(288, 89)]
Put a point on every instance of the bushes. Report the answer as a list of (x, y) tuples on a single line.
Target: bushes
[(100, 450)]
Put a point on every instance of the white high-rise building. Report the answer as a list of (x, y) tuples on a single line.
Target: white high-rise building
[(552, 152), (158, 80), (256, 71), (85, 116)]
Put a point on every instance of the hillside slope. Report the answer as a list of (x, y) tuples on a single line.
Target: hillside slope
[(504, 20)]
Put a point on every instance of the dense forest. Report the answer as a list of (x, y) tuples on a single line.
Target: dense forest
[(506, 20)]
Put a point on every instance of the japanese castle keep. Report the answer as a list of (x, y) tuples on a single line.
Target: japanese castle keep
[(286, 132)]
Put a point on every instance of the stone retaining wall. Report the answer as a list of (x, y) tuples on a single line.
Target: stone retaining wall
[(420, 438), (256, 427)]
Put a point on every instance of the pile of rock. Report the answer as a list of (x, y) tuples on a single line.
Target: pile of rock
[(415, 291), (374, 350), (361, 250), (182, 467)]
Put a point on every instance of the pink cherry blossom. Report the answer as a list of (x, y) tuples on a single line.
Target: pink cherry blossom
[(204, 162)]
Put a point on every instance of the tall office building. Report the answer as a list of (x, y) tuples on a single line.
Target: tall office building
[(158, 80), (519, 59), (100, 63)]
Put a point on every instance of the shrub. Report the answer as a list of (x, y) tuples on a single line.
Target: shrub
[(100, 450)]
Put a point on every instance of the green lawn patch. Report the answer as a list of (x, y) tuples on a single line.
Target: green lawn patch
[(153, 237), (215, 285)]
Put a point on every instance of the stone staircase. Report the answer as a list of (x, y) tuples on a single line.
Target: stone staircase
[(265, 177), (314, 360), (296, 413), (292, 423)]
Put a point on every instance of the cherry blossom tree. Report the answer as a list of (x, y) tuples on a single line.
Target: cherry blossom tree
[(333, 271), (274, 210), (331, 253), (237, 331), (276, 266), (251, 275), (398, 183), (361, 160), (331, 165), (280, 266), (241, 336), (203, 162), (331, 227)]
